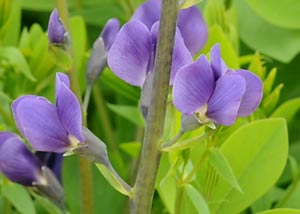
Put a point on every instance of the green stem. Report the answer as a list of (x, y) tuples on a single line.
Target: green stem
[(87, 97), (173, 141), (85, 171), (141, 202), (196, 167), (178, 200)]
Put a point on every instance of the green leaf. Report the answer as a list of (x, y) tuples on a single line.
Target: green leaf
[(46, 204), (284, 14), (189, 3), (257, 153), (131, 148), (197, 199), (15, 57), (19, 197), (60, 56), (287, 110), (221, 165), (265, 37), (216, 35), (131, 113), (280, 211)]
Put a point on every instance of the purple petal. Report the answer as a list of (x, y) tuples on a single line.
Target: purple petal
[(37, 120), (56, 29), (181, 55), (109, 32), (53, 161), (68, 108), (226, 99), (16, 161), (218, 65), (193, 29), (253, 94), (147, 13), (60, 79), (130, 54), (193, 86)]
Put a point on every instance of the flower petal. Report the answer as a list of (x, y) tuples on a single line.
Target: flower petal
[(60, 79), (16, 161), (148, 13), (226, 99), (130, 53), (69, 110), (109, 32), (253, 94), (218, 65), (181, 55), (193, 86), (37, 120), (193, 29), (56, 29)]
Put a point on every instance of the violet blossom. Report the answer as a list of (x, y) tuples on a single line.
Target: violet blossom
[(214, 93), (48, 127)]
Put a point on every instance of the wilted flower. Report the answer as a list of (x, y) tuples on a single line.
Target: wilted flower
[(56, 29), (190, 23), (48, 127), (215, 93)]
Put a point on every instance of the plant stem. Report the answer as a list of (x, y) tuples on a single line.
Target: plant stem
[(178, 200), (141, 202), (85, 171)]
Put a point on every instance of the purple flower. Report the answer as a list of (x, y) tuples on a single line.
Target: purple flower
[(48, 127), (109, 32), (17, 162), (132, 54), (214, 93), (56, 29), (190, 23)]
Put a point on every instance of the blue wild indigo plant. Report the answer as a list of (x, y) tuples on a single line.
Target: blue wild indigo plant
[(206, 135)]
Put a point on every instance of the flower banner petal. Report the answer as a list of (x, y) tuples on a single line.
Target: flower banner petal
[(193, 29), (148, 13), (110, 32), (226, 99), (218, 65), (253, 94), (193, 86), (37, 120), (130, 53), (69, 111)]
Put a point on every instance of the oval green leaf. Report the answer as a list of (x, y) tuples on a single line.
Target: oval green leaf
[(257, 153)]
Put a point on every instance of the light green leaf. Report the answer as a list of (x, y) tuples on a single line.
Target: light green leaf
[(221, 165), (216, 35), (131, 113), (60, 56), (257, 153), (284, 14), (189, 3), (19, 197), (47, 205), (280, 211), (279, 43), (131, 148), (197, 199), (287, 110), (15, 57)]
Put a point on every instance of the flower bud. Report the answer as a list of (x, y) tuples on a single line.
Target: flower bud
[(56, 31)]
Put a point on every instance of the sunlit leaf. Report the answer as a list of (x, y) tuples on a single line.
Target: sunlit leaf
[(197, 199)]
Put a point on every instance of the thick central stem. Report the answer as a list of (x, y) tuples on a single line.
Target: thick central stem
[(141, 201)]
